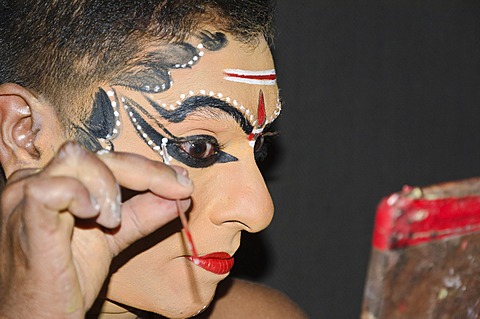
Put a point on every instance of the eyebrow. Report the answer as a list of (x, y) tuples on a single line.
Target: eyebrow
[(196, 104)]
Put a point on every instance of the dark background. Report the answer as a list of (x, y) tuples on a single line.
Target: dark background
[(377, 94)]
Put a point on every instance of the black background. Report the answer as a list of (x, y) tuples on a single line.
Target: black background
[(377, 94)]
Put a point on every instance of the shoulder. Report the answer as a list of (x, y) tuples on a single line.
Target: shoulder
[(243, 299)]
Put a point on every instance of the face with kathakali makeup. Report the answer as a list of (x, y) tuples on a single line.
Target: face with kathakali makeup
[(212, 98)]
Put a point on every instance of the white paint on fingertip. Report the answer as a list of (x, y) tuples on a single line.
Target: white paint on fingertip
[(103, 151), (94, 203), (117, 204)]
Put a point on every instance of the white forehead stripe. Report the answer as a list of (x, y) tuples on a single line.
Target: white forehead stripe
[(262, 77)]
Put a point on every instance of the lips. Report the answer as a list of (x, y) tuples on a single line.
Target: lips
[(218, 263)]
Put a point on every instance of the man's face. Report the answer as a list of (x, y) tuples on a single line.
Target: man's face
[(212, 98)]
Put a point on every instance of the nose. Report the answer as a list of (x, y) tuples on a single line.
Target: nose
[(245, 200)]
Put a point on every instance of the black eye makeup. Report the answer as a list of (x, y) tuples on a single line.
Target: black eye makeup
[(198, 151)]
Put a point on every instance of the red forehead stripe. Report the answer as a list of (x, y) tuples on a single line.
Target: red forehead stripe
[(263, 77), (253, 77)]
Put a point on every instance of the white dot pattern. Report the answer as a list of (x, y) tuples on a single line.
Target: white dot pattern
[(194, 59), (151, 143), (118, 123), (246, 112)]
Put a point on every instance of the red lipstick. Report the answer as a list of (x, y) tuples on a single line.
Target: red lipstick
[(218, 263)]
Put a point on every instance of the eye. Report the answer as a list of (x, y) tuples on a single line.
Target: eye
[(259, 143), (199, 149), (260, 149)]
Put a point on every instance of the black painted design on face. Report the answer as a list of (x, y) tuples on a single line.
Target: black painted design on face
[(213, 41), (99, 125), (152, 73), (197, 151), (149, 75), (101, 122), (87, 139), (192, 103)]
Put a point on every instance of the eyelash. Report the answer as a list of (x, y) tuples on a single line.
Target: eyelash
[(177, 149), (261, 150)]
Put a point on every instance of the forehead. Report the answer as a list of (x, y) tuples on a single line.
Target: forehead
[(235, 73)]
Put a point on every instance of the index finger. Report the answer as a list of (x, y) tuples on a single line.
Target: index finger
[(141, 174)]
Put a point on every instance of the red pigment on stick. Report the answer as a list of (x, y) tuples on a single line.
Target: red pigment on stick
[(183, 219)]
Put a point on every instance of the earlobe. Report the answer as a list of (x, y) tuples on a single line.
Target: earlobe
[(17, 130)]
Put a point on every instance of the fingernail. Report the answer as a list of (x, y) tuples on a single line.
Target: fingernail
[(185, 204), (183, 179)]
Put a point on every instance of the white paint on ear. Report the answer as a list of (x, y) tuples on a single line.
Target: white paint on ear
[(22, 130), (25, 110)]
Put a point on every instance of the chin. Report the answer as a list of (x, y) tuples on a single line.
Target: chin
[(184, 308), (177, 290)]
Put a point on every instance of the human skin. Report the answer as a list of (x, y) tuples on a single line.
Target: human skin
[(229, 197), (153, 274), (49, 268)]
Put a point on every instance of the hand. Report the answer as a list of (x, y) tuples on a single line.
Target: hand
[(61, 226)]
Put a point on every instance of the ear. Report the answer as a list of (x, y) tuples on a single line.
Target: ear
[(18, 128)]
